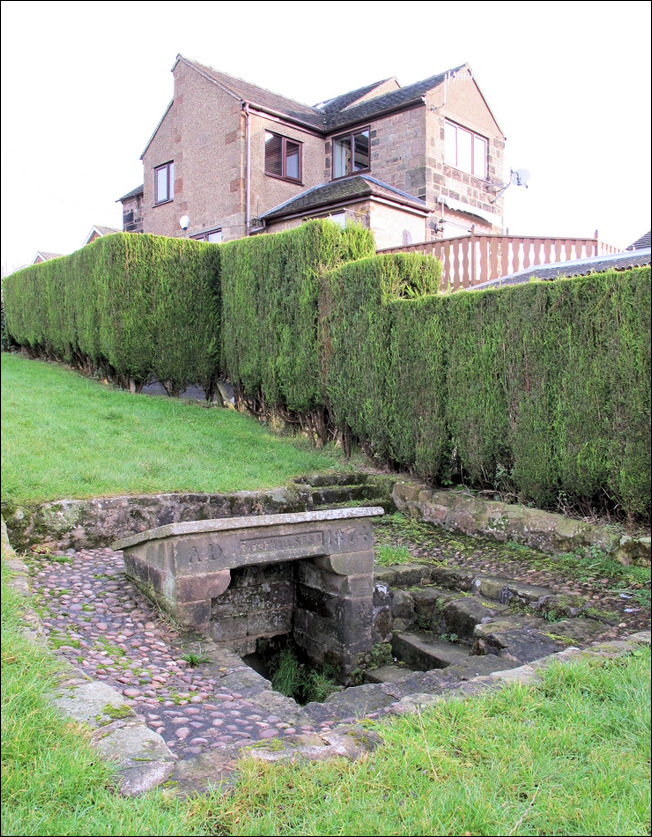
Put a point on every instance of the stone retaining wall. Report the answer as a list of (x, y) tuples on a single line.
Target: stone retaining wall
[(84, 524), (79, 524), (458, 511)]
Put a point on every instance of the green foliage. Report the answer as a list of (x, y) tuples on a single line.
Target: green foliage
[(358, 353), (4, 334), (543, 388), (540, 391), (299, 681), (134, 306), (388, 555), (270, 289)]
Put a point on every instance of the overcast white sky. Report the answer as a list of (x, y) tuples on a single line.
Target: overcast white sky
[(84, 85)]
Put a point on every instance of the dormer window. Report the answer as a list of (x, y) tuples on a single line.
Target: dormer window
[(465, 150), (351, 153), (164, 183), (282, 157)]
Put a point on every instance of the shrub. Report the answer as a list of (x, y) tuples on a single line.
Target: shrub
[(543, 388), (135, 306), (270, 290), (357, 341)]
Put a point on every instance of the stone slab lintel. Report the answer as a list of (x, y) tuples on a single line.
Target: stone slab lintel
[(226, 524)]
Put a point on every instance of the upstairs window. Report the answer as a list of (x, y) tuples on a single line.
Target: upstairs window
[(214, 236), (351, 153), (465, 150), (164, 183), (282, 157)]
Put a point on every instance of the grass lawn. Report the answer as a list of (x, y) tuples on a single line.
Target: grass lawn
[(570, 756), (67, 436)]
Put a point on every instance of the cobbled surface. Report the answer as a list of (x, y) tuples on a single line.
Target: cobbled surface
[(111, 632)]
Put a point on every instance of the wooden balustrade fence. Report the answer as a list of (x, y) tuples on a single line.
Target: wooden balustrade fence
[(470, 260)]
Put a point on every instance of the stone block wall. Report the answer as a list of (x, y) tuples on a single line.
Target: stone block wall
[(258, 603)]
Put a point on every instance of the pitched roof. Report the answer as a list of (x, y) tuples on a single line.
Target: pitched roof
[(333, 114), (340, 191), (412, 94), (101, 231), (258, 95), (644, 241), (576, 267), (45, 256), (340, 102), (134, 193)]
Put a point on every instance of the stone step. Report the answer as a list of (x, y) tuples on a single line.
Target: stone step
[(505, 590), (460, 615), (480, 665), (524, 638), (344, 494), (423, 651), (403, 575), (388, 674)]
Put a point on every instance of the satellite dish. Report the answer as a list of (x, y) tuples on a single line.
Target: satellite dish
[(520, 177), (184, 222)]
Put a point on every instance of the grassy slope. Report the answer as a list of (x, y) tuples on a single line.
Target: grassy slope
[(571, 757), (67, 436)]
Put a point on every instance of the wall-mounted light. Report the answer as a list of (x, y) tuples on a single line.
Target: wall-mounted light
[(184, 222)]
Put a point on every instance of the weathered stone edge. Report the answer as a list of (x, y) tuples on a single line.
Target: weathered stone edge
[(459, 511), (98, 521), (354, 740), (142, 758), (223, 524)]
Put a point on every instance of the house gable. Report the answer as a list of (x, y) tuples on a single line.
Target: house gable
[(202, 134), (355, 97), (226, 151), (461, 100)]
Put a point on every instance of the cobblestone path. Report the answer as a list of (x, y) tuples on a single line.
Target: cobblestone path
[(111, 632)]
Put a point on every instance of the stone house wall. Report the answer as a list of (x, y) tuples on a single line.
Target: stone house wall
[(132, 214), (268, 191), (463, 104), (204, 133)]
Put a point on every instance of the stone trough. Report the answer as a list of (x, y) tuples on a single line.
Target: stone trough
[(243, 579)]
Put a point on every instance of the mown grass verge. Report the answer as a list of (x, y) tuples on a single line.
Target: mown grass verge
[(68, 436), (52, 779), (568, 757)]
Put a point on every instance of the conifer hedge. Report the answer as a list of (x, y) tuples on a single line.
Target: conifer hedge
[(134, 306), (541, 388), (270, 289)]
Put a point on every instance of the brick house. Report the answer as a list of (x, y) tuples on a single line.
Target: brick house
[(230, 159), (98, 231)]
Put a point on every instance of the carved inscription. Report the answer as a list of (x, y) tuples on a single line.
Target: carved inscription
[(354, 538), (211, 553), (281, 543)]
